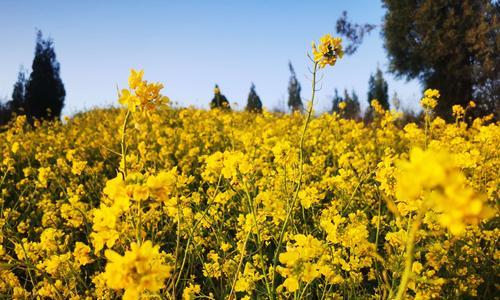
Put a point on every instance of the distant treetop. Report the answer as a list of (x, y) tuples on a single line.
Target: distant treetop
[(219, 100)]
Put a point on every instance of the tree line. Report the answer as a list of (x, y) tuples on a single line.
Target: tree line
[(447, 45), (41, 94), (377, 89)]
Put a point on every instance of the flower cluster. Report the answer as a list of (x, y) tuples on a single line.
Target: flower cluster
[(429, 180), (328, 51), (142, 96), (142, 268), (430, 100)]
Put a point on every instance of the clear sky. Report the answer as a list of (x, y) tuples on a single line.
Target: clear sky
[(191, 45)]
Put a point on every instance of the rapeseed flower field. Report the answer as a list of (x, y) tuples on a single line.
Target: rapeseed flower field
[(148, 201)]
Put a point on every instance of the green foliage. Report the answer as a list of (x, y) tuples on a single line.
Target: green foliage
[(353, 33), (451, 46), (253, 103), (45, 93), (378, 89), (18, 102), (4, 114), (294, 99), (219, 100)]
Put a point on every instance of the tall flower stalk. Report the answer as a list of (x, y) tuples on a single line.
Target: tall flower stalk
[(326, 53)]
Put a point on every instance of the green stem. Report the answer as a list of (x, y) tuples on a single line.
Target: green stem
[(239, 265), (139, 216), (410, 245), (123, 144), (259, 241), (299, 184)]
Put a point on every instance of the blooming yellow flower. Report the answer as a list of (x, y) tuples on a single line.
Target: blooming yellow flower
[(135, 78), (81, 253), (328, 51), (377, 107), (15, 147), (430, 100), (225, 247), (430, 180), (458, 111), (417, 267), (78, 167), (142, 96), (191, 291), (140, 269), (291, 284)]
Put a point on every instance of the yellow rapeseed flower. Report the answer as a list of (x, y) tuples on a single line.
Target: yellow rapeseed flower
[(81, 254), (430, 100), (431, 178), (142, 96), (328, 51), (141, 269)]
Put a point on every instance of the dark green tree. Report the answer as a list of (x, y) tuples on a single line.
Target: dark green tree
[(294, 99), (5, 114), (253, 103), (219, 100), (448, 45), (18, 103), (378, 89), (44, 90), (351, 108)]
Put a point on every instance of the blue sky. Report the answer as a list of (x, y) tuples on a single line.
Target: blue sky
[(191, 45)]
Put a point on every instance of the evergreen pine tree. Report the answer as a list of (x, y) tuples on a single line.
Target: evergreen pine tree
[(18, 103), (219, 100), (5, 114), (294, 100), (253, 103), (352, 109), (378, 89), (44, 90)]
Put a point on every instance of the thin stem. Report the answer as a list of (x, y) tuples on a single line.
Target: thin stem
[(410, 245), (299, 184), (139, 210), (123, 144), (259, 242), (239, 265)]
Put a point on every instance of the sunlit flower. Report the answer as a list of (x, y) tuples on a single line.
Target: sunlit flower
[(328, 51), (140, 269), (142, 96), (430, 100)]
